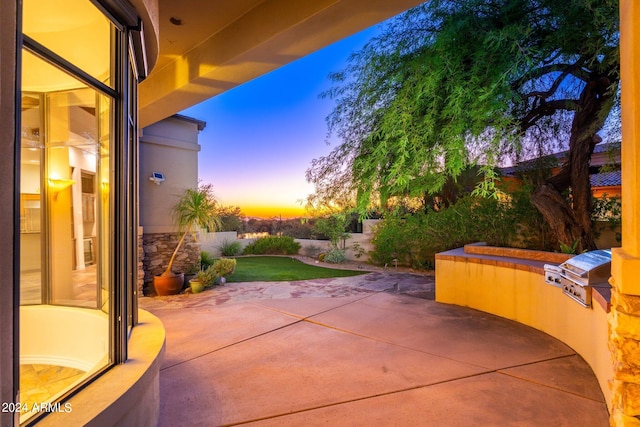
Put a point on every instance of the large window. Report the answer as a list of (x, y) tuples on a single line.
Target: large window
[(64, 229), (77, 218)]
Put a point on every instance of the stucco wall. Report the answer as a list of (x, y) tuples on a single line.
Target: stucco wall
[(211, 242), (517, 291), (170, 147)]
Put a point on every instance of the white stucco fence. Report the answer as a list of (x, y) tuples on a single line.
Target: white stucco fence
[(211, 242)]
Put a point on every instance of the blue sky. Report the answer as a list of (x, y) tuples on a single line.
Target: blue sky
[(261, 136)]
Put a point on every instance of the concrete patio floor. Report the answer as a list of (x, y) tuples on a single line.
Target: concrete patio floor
[(371, 350)]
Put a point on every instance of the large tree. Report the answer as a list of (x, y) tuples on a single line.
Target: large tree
[(453, 83)]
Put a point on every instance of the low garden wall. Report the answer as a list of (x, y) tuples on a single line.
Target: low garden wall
[(510, 283), (210, 242), (357, 246)]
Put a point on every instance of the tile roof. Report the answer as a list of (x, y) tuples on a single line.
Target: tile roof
[(606, 179), (556, 159)]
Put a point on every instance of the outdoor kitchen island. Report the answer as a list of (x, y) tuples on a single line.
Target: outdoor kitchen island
[(511, 283)]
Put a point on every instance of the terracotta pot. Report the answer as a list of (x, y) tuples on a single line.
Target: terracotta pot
[(168, 285)]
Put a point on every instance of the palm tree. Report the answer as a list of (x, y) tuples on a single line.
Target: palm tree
[(197, 208)]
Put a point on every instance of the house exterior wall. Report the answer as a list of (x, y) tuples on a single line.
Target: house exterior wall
[(170, 147)]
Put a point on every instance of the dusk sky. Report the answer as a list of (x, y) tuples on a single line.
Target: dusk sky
[(261, 136)]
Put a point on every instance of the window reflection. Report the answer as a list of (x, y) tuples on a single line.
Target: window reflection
[(73, 29), (30, 201), (65, 156), (65, 227)]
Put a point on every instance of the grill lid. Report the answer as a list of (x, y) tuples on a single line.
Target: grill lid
[(580, 265)]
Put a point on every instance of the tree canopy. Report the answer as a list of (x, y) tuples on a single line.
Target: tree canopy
[(455, 83)]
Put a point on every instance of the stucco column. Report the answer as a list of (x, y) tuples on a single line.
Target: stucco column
[(624, 319)]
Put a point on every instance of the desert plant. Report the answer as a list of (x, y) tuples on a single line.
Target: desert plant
[(224, 267), (569, 249), (335, 256), (195, 208), (206, 260), (273, 245), (312, 250), (206, 276), (230, 248)]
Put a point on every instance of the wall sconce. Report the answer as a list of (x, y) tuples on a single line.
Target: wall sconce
[(57, 185)]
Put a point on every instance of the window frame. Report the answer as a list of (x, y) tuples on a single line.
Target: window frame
[(123, 214)]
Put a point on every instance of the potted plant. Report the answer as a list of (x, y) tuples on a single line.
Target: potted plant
[(196, 208), (196, 285), (203, 279)]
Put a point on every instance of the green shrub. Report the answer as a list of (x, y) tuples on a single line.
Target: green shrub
[(224, 267), (333, 227), (230, 248), (415, 239), (273, 245), (533, 231), (335, 256), (607, 211)]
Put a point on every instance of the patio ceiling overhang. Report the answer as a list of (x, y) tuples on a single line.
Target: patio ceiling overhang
[(210, 46)]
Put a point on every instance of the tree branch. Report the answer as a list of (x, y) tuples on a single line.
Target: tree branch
[(574, 69), (546, 108), (546, 94)]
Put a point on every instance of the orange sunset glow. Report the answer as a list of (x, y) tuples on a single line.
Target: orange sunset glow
[(274, 211)]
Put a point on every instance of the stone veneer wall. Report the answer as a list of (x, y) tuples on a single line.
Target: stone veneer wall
[(624, 342), (158, 248), (140, 277)]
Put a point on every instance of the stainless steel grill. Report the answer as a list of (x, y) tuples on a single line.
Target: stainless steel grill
[(553, 275), (583, 272)]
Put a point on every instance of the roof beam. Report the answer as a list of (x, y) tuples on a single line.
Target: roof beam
[(272, 34)]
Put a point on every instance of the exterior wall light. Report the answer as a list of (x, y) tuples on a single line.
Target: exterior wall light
[(157, 178)]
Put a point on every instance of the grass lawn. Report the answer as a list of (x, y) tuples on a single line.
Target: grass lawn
[(274, 269)]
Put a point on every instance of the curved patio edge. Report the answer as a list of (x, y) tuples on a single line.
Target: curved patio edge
[(514, 288), (127, 394)]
